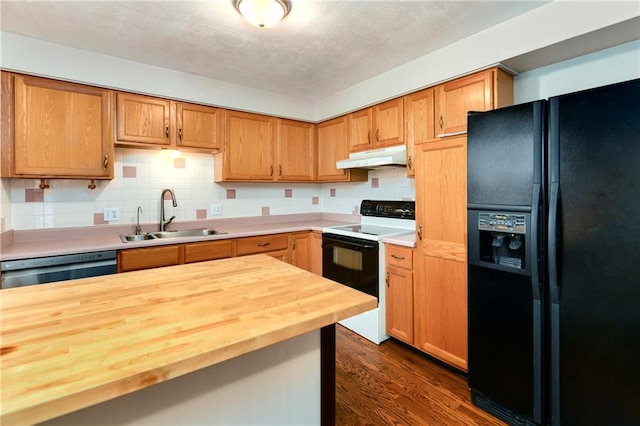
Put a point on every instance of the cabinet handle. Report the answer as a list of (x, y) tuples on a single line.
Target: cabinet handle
[(369, 137), (420, 231), (293, 247), (409, 163), (377, 135), (395, 256), (386, 279), (280, 170), (180, 134), (263, 244), (166, 131), (271, 170), (105, 163), (441, 122)]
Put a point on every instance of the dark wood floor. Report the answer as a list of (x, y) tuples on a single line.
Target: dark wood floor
[(390, 384)]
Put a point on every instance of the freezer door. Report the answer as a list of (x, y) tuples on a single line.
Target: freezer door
[(594, 256), (504, 156)]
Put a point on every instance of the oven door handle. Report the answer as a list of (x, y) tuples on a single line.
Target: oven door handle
[(349, 243)]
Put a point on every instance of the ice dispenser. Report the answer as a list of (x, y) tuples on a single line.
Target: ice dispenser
[(501, 239)]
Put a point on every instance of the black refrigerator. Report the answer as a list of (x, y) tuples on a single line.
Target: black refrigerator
[(554, 259)]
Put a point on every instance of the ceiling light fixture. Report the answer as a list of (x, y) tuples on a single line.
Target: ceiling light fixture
[(263, 13)]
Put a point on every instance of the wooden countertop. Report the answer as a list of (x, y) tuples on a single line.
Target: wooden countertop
[(73, 344)]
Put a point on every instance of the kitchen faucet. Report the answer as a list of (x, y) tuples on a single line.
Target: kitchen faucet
[(138, 230), (175, 204)]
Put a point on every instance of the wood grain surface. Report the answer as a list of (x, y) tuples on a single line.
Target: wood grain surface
[(69, 345)]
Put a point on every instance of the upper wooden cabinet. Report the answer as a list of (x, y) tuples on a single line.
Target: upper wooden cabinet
[(419, 123), (295, 151), (482, 91), (332, 146), (248, 148), (376, 127), (56, 129), (148, 121)]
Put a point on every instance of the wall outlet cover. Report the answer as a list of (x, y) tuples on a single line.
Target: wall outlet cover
[(215, 209), (111, 214)]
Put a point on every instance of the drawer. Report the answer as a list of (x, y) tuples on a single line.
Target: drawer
[(262, 244), (399, 256), (208, 250), (146, 258)]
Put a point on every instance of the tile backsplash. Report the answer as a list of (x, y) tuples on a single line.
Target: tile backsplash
[(141, 175)]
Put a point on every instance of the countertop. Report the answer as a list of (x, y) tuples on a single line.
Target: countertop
[(72, 344), (53, 242), (407, 240)]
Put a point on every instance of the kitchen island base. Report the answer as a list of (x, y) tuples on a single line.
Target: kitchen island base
[(277, 385)]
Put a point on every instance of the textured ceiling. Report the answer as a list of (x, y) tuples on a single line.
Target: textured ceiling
[(320, 48)]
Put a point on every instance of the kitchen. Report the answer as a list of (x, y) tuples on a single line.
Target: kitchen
[(326, 198)]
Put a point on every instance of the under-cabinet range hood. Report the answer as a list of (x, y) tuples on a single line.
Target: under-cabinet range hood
[(391, 156)]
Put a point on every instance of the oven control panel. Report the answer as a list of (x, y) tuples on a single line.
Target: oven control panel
[(392, 209)]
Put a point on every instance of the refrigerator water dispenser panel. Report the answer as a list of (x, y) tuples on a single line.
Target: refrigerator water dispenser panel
[(501, 239)]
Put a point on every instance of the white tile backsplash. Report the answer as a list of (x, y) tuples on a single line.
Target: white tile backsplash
[(70, 203)]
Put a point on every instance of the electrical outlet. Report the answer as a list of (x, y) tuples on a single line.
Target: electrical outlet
[(215, 208), (111, 214)]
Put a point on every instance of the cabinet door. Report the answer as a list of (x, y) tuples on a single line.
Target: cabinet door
[(62, 129), (388, 129), (441, 252), (301, 250), (295, 151), (199, 126), (148, 257), (249, 146), (332, 146), (419, 123), (143, 119), (315, 252), (455, 98), (399, 300), (208, 250), (360, 124)]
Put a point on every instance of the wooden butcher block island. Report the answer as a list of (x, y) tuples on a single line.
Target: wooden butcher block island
[(66, 346)]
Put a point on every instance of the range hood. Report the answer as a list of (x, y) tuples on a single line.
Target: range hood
[(391, 156)]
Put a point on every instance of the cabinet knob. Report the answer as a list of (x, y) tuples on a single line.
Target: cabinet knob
[(280, 170), (441, 122), (420, 231), (377, 135), (409, 163), (263, 244), (180, 134), (369, 137), (293, 246), (271, 170), (105, 163), (395, 256), (166, 131), (386, 279)]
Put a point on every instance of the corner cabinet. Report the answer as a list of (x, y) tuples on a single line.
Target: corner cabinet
[(145, 121), (333, 146), (377, 127), (55, 129)]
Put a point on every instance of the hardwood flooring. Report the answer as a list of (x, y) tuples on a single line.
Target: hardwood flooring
[(391, 384)]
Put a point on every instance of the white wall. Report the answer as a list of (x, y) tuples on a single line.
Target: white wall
[(613, 65)]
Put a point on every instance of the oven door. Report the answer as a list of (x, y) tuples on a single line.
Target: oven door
[(351, 261)]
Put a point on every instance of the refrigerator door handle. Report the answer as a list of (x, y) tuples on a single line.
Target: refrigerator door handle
[(554, 286), (535, 240)]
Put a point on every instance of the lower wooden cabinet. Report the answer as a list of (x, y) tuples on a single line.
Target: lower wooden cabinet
[(149, 257), (315, 252), (300, 243), (399, 292), (208, 250), (263, 244)]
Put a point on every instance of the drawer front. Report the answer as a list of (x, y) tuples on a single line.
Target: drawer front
[(145, 258), (208, 250), (262, 244), (399, 256)]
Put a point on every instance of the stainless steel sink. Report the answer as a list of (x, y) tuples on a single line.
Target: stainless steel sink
[(136, 237), (170, 234), (187, 233)]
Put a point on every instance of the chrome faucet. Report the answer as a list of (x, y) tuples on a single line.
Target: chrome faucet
[(138, 229), (175, 204)]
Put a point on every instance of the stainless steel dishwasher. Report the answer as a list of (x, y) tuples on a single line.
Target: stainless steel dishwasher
[(41, 270)]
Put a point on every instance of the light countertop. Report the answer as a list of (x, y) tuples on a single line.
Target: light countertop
[(73, 344)]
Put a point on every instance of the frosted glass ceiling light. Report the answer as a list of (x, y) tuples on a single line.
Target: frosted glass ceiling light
[(263, 13)]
